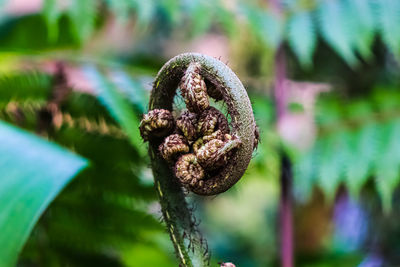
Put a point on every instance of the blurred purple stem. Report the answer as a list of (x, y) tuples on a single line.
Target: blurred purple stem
[(285, 206)]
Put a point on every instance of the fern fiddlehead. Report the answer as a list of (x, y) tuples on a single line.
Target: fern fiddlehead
[(204, 153)]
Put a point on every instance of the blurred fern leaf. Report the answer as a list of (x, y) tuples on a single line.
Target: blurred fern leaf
[(357, 141), (334, 28), (33, 173), (389, 21), (118, 106), (82, 15), (51, 15), (302, 37), (22, 86)]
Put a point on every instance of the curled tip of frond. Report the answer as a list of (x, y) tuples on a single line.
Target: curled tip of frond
[(215, 153), (156, 123), (173, 146), (186, 123), (189, 171), (194, 90), (222, 147)]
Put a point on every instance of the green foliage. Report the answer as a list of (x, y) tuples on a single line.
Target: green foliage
[(357, 141), (117, 105), (83, 17), (33, 173), (335, 29), (51, 14), (89, 218), (24, 86), (265, 25), (105, 217), (349, 27), (388, 20), (302, 36)]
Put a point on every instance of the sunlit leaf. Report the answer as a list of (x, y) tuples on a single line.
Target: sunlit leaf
[(33, 172)]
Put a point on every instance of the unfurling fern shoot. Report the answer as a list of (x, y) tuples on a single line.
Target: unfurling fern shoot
[(197, 150)]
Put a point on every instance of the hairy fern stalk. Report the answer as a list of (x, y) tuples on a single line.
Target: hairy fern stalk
[(221, 142)]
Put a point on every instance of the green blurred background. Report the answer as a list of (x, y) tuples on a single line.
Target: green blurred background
[(78, 73)]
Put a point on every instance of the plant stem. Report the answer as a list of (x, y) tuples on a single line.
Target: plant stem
[(190, 246), (285, 206)]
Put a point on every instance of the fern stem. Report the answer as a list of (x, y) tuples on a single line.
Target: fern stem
[(190, 247)]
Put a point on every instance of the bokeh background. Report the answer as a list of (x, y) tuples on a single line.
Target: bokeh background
[(66, 67)]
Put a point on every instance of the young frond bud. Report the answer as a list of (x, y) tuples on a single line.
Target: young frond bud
[(173, 146), (215, 135), (186, 123), (194, 90), (216, 152), (156, 123), (211, 120), (188, 171)]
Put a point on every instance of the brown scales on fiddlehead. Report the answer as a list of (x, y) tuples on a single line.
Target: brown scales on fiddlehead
[(194, 90), (173, 146), (218, 134), (186, 123), (156, 123), (202, 123), (211, 120), (189, 171), (215, 155)]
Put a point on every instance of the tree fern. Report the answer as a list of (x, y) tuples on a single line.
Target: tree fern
[(121, 8), (334, 153), (145, 11), (171, 9), (362, 142)]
